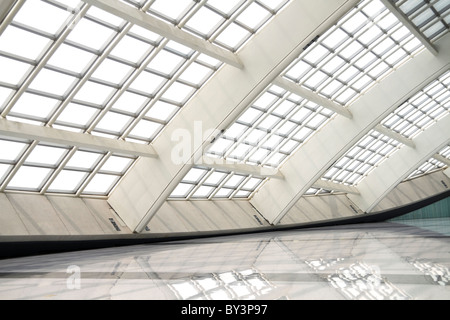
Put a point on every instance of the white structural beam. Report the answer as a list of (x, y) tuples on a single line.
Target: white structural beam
[(397, 167), (394, 135), (314, 158), (223, 164), (33, 132), (218, 104), (332, 186), (411, 27), (8, 10), (442, 159), (312, 96), (164, 29)]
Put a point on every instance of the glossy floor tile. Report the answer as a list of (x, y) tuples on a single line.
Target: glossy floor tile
[(373, 261)]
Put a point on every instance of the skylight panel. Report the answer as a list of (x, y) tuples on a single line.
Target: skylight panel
[(67, 181), (166, 62), (29, 178), (130, 102), (117, 165), (23, 43), (253, 16), (11, 151), (148, 83), (5, 95), (205, 22), (194, 175), (71, 59), (13, 72), (362, 158), (91, 34), (112, 71), (196, 74), (171, 9), (181, 191), (33, 105), (94, 93), (45, 155), (233, 36), (225, 7), (431, 18), (162, 111), (42, 16), (114, 123), (101, 184), (146, 130), (4, 171), (178, 93), (77, 115), (422, 110), (104, 16), (131, 49), (359, 44), (53, 82), (84, 160)]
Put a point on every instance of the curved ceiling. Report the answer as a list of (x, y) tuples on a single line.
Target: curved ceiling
[(265, 101)]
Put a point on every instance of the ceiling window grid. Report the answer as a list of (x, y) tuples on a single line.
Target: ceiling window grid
[(431, 17), (91, 81), (422, 110), (431, 165), (40, 167), (271, 129), (228, 24), (361, 159), (361, 49), (202, 183)]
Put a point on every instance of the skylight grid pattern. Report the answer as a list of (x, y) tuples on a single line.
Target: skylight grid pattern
[(275, 125), (362, 48), (422, 110), (431, 17), (360, 160), (431, 165), (228, 24), (50, 169), (203, 183), (72, 66), (107, 77)]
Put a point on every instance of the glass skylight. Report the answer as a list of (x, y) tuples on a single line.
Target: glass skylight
[(431, 164), (360, 160), (432, 18), (362, 48), (228, 24), (271, 129), (423, 109), (203, 183), (107, 78)]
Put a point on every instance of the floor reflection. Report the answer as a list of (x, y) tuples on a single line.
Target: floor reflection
[(373, 261)]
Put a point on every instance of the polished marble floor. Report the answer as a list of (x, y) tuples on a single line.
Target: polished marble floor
[(388, 260)]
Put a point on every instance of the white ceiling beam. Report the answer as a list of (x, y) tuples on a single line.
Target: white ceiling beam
[(332, 186), (312, 96), (62, 137), (313, 159), (411, 27), (394, 135), (442, 159), (164, 29), (256, 171), (399, 166), (8, 10), (217, 105)]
